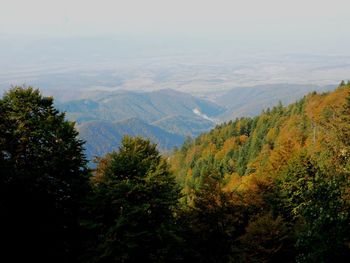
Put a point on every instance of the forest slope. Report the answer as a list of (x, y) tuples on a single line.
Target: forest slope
[(250, 146), (278, 183)]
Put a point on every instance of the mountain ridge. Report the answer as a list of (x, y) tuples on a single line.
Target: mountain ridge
[(102, 136)]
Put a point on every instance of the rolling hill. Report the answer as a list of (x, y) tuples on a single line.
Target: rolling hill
[(168, 116), (147, 106), (184, 125), (250, 101), (102, 136)]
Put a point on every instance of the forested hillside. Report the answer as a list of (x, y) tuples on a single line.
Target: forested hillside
[(276, 185), (273, 188), (147, 106)]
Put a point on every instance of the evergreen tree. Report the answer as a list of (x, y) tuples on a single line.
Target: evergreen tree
[(43, 178)]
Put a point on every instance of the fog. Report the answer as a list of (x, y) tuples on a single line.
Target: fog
[(194, 46)]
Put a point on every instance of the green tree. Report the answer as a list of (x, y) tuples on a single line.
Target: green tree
[(135, 195), (342, 83), (43, 178), (315, 202)]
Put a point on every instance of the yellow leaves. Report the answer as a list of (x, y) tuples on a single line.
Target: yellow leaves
[(229, 144), (288, 142), (280, 156), (271, 136), (233, 182), (274, 138), (209, 150), (317, 103), (243, 138), (324, 112), (175, 161), (191, 153), (248, 188)]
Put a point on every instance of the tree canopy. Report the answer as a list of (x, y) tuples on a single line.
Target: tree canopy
[(43, 177), (134, 199), (273, 188)]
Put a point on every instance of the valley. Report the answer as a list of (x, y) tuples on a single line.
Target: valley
[(167, 116)]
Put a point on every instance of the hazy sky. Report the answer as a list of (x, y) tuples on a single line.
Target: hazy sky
[(291, 22)]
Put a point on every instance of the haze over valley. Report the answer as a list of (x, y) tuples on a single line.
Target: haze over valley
[(176, 69), (123, 86), (72, 68)]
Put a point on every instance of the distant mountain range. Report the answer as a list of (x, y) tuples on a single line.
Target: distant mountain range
[(102, 137), (167, 116), (147, 106)]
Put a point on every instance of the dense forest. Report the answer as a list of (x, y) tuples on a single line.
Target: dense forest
[(273, 188)]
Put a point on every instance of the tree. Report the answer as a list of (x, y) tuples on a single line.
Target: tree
[(133, 205), (316, 204), (212, 223), (266, 239), (43, 178)]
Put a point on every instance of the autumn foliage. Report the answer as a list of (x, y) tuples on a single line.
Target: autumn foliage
[(273, 188)]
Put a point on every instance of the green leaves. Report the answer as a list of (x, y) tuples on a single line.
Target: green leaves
[(135, 195), (316, 199), (43, 176)]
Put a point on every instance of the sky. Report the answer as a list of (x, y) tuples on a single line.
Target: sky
[(277, 23), (39, 35)]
